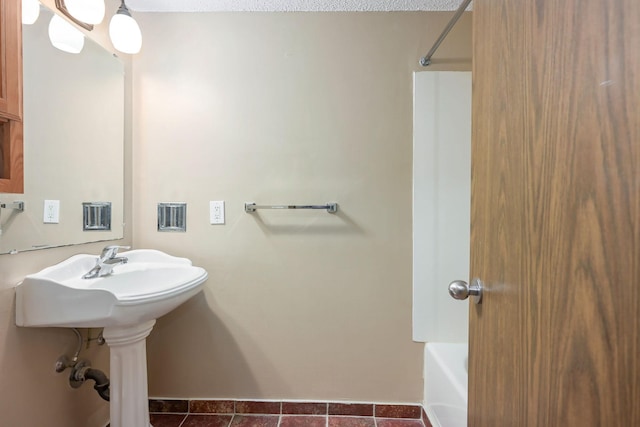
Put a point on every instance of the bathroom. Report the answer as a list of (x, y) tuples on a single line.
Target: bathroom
[(298, 305)]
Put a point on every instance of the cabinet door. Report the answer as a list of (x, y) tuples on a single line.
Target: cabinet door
[(11, 139), (11, 60)]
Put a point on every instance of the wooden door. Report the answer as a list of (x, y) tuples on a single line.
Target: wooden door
[(555, 213)]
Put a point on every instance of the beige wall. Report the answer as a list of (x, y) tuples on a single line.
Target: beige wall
[(285, 108), (31, 392)]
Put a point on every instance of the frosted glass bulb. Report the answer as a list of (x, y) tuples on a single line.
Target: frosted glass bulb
[(65, 36), (125, 33), (88, 11), (30, 11)]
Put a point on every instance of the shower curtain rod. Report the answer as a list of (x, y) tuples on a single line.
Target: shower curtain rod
[(426, 60)]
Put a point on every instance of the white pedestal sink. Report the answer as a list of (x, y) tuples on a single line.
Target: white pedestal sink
[(126, 304)]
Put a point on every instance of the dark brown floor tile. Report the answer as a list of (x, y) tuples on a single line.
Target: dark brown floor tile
[(303, 421), (207, 421), (212, 406), (398, 411), (255, 421), (166, 420), (251, 407), (360, 409), (307, 408), (351, 422), (396, 422), (176, 406)]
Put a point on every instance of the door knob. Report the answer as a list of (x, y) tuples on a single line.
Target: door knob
[(459, 289)]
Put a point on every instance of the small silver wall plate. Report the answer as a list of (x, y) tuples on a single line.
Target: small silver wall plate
[(96, 216), (172, 217)]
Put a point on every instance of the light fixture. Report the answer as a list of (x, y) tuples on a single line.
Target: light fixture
[(89, 11), (62, 7), (124, 31), (30, 11), (65, 36)]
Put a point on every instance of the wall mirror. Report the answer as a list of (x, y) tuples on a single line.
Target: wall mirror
[(73, 144)]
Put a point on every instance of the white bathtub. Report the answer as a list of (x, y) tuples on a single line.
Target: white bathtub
[(445, 378)]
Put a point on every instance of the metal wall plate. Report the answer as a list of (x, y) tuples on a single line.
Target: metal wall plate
[(172, 217), (96, 216)]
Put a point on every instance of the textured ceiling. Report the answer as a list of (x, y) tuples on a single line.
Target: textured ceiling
[(290, 5)]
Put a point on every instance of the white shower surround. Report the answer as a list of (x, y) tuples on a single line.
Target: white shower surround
[(441, 203), (291, 5)]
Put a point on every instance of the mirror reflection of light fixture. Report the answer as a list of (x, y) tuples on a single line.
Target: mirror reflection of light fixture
[(30, 11), (89, 11), (124, 31), (62, 7), (65, 36)]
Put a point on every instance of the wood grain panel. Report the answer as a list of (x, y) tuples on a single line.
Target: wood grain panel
[(555, 209), (11, 142), (11, 147), (11, 59)]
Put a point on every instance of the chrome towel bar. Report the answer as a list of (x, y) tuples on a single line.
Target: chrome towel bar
[(252, 207)]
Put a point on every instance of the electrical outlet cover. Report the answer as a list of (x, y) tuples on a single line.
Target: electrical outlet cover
[(216, 212), (51, 212)]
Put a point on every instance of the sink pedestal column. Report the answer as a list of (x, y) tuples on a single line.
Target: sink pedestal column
[(129, 396)]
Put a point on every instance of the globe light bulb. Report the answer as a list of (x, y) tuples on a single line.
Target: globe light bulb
[(65, 36), (30, 11), (124, 31)]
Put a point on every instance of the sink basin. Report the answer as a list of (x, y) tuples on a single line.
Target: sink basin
[(150, 285)]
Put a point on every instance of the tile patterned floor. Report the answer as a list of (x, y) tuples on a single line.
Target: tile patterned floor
[(228, 413), (238, 420)]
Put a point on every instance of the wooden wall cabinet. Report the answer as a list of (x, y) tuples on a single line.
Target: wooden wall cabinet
[(11, 135)]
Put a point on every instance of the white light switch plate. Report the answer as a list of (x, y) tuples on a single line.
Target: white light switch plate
[(51, 212), (216, 212)]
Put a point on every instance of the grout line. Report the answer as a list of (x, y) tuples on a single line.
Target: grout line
[(375, 419), (183, 420)]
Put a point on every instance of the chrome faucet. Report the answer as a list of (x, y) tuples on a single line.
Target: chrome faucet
[(106, 261)]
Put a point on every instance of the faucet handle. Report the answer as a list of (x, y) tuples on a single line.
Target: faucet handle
[(111, 251)]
